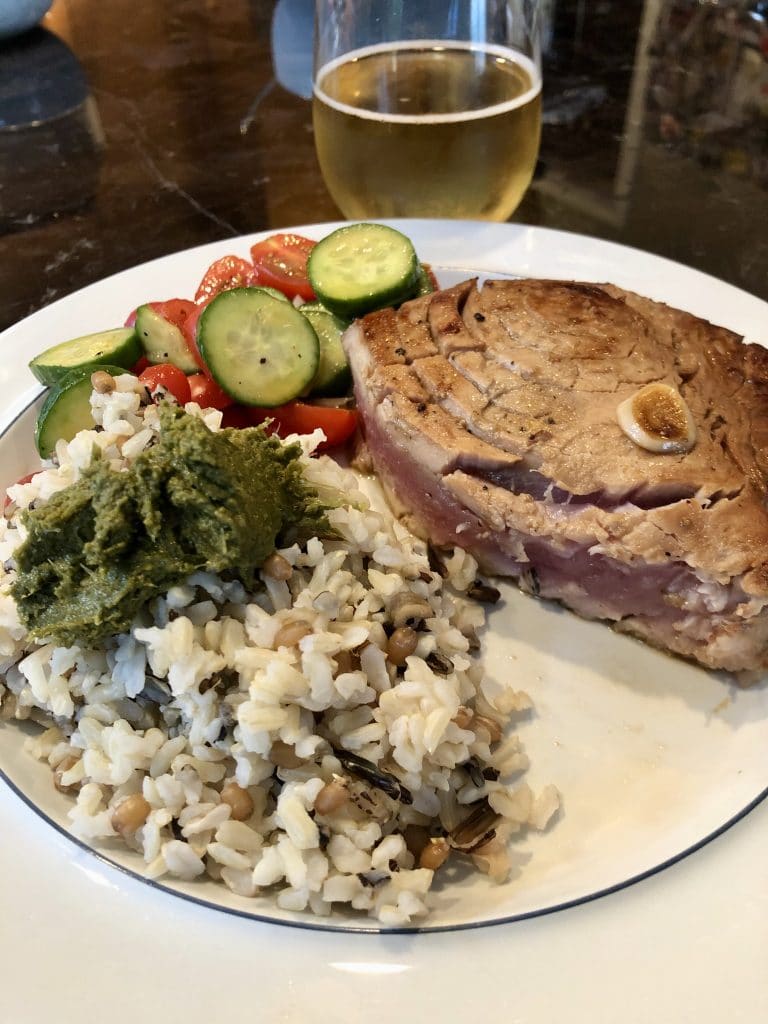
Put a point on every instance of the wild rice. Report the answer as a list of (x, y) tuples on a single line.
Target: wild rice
[(281, 693)]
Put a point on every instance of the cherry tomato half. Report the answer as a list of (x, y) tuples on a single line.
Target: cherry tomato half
[(228, 272), (237, 416), (175, 311), (207, 393), (281, 262), (166, 377), (189, 330), (338, 425)]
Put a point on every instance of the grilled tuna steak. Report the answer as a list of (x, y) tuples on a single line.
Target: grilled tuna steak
[(490, 415)]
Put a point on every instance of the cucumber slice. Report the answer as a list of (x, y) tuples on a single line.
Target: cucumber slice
[(162, 341), (424, 284), (118, 347), (315, 305), (67, 408), (260, 350), (363, 267), (333, 376), (274, 292)]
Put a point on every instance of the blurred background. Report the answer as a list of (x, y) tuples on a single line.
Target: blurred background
[(131, 130)]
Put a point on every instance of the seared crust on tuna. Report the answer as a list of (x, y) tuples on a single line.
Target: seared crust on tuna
[(491, 416)]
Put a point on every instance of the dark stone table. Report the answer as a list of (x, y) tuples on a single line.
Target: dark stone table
[(131, 130)]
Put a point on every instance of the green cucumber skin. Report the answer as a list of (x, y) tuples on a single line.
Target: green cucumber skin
[(67, 408), (424, 285), (401, 287), (335, 386), (124, 351), (333, 377), (231, 371), (316, 306), (162, 341), (274, 292)]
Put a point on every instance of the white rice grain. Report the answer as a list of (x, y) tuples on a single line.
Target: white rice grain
[(231, 742)]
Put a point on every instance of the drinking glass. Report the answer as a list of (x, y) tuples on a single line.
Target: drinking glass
[(427, 108)]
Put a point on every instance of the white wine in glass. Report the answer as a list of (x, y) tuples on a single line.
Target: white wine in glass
[(429, 127)]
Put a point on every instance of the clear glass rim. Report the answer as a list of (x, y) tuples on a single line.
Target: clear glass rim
[(505, 52)]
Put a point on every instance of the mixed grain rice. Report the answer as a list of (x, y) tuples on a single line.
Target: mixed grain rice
[(212, 737)]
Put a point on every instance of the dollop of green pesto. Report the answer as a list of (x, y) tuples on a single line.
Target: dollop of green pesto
[(99, 550)]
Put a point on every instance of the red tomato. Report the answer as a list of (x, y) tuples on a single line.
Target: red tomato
[(228, 272), (207, 393), (237, 416), (166, 377), (338, 425), (22, 480), (175, 311), (281, 262), (189, 330), (140, 366)]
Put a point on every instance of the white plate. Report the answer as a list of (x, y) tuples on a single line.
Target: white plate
[(653, 756)]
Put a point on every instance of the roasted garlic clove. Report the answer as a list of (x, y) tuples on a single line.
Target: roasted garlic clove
[(657, 418)]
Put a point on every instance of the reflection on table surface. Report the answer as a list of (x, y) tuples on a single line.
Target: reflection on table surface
[(141, 129), (50, 133)]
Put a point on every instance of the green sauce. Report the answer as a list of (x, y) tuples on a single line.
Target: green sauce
[(99, 550)]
